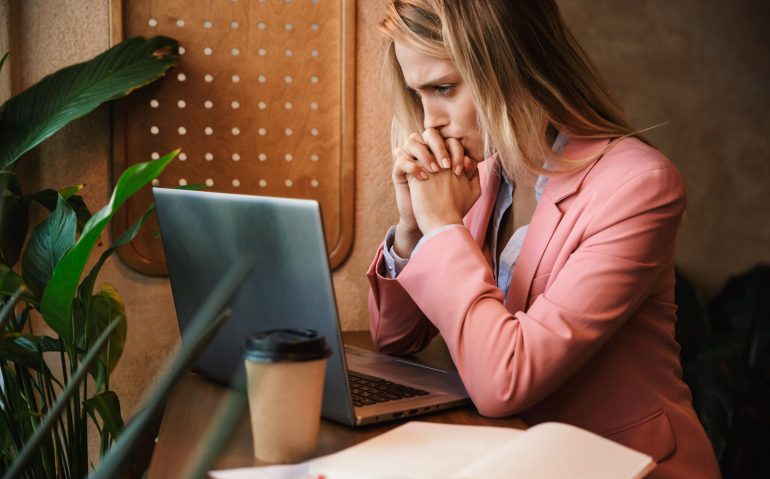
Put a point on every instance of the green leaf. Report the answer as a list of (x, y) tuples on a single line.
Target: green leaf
[(86, 288), (14, 213), (48, 198), (56, 304), (106, 307), (17, 353), (47, 245), (14, 223), (68, 191), (82, 212), (107, 405), (10, 281), (25, 350), (37, 113), (43, 344), (14, 218)]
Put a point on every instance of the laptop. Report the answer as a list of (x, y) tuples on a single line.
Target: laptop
[(204, 233)]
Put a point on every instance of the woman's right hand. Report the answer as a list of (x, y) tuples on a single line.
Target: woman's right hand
[(419, 155)]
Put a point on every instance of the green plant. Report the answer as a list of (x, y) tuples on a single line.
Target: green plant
[(40, 272)]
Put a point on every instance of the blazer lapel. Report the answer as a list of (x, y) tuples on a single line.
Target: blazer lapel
[(544, 222), (478, 221), (545, 219)]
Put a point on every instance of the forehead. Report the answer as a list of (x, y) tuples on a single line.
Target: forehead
[(419, 68)]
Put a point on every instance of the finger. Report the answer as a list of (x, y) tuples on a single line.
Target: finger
[(470, 167), (457, 153), (403, 170), (420, 152), (435, 142), (476, 186), (403, 165)]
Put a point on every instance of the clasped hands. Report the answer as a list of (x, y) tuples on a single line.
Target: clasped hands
[(436, 184)]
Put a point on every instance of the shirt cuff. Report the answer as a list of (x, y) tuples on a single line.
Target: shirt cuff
[(432, 234), (393, 262)]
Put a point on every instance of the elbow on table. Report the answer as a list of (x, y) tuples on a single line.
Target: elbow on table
[(391, 350), (497, 401), (396, 346), (494, 408)]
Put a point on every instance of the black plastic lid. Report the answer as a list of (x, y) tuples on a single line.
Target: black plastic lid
[(286, 345)]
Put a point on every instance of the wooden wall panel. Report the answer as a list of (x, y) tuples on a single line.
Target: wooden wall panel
[(262, 103)]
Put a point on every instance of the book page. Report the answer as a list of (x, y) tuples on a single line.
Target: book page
[(278, 471), (555, 450), (416, 450)]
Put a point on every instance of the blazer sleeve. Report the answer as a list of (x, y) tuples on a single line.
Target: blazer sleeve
[(396, 323), (509, 361)]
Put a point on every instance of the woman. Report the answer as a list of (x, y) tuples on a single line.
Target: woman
[(536, 230)]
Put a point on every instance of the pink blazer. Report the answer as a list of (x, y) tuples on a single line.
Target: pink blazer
[(586, 335)]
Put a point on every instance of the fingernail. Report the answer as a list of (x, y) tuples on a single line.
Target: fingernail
[(445, 162), (434, 167), (423, 175), (458, 170)]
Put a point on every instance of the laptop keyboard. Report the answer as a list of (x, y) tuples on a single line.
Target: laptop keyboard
[(368, 390)]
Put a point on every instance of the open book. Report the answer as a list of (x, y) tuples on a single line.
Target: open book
[(421, 450)]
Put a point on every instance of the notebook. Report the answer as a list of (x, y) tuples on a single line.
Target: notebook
[(421, 450), (203, 233)]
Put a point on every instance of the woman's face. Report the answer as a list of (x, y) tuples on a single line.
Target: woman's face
[(446, 100)]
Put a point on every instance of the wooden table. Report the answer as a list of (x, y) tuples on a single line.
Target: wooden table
[(194, 400)]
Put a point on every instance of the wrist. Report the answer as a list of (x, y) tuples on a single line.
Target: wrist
[(431, 224), (406, 238), (408, 229)]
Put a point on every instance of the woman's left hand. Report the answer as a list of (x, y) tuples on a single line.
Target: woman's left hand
[(443, 199)]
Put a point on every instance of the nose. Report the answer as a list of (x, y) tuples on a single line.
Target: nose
[(434, 116)]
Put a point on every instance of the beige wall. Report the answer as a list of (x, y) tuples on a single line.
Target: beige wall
[(5, 77), (700, 65), (704, 67)]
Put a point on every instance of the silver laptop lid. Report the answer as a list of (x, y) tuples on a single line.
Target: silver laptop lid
[(203, 233)]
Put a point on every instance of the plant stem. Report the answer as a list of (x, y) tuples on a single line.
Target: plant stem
[(47, 449), (62, 469), (5, 313), (35, 408), (78, 470), (85, 420), (68, 434), (9, 408), (30, 447)]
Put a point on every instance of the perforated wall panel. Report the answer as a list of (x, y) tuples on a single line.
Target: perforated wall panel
[(262, 103)]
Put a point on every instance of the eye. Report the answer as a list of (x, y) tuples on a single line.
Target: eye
[(443, 89)]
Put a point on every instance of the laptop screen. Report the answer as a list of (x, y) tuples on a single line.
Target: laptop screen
[(204, 233)]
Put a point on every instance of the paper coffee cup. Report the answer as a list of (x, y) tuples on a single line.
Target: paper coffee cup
[(285, 371)]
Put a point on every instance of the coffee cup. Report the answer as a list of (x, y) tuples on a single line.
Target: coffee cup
[(285, 376)]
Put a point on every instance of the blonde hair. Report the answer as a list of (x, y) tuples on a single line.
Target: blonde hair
[(524, 69)]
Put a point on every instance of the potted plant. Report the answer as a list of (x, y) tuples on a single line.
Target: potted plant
[(45, 411)]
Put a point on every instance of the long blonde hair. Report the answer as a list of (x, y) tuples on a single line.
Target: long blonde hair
[(525, 71)]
